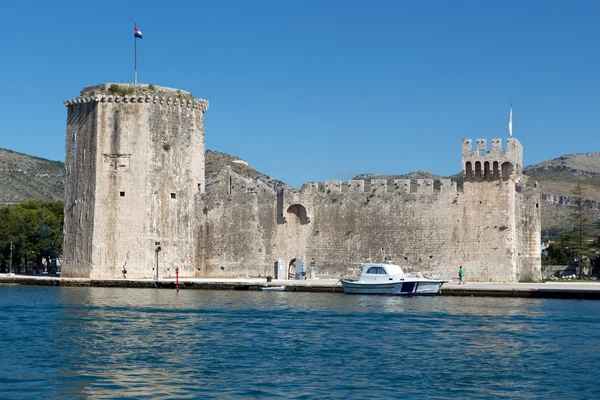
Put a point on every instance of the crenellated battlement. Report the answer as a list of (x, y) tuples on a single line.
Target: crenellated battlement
[(513, 147), (482, 164), (380, 186), (127, 93)]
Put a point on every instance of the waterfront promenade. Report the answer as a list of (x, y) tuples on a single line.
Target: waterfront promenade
[(565, 290)]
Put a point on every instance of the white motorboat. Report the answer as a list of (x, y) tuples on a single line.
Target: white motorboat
[(389, 279)]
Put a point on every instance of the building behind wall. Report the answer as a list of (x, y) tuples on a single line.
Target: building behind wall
[(151, 148)]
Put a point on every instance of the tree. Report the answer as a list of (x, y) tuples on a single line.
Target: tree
[(558, 254), (31, 245), (580, 237)]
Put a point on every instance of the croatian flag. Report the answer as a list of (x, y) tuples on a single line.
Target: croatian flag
[(138, 33)]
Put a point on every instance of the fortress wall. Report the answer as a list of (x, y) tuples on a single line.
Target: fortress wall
[(332, 232), (485, 232), (79, 190), (237, 228), (245, 231), (529, 228), (412, 230)]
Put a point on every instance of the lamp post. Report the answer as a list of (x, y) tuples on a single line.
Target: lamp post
[(157, 249), (10, 265)]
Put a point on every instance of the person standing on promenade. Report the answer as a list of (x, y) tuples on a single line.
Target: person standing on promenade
[(461, 275), (303, 271)]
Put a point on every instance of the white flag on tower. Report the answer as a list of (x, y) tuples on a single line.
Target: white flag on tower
[(510, 121)]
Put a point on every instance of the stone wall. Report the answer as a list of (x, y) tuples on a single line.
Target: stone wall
[(80, 189), (529, 224), (485, 231), (491, 228), (237, 228)]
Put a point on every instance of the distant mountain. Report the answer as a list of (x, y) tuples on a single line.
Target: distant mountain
[(24, 177), (560, 175), (558, 179), (215, 161)]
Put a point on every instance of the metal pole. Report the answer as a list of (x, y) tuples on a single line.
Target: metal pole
[(135, 56), (10, 265), (157, 265), (177, 278), (19, 247)]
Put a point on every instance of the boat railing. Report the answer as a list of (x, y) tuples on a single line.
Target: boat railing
[(415, 275), (434, 275)]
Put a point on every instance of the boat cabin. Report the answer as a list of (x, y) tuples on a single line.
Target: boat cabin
[(381, 272)]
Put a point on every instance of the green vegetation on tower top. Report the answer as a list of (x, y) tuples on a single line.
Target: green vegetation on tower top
[(120, 90), (126, 89)]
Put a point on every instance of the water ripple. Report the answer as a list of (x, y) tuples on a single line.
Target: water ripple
[(80, 343)]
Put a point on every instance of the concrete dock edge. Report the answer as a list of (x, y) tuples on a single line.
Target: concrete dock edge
[(560, 290)]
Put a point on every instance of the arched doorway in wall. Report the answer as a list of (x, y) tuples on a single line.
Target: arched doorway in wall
[(496, 171), (295, 268), (486, 171), (298, 211), (507, 170), (469, 170)]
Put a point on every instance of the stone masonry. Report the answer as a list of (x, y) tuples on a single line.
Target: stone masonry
[(135, 167), (240, 227)]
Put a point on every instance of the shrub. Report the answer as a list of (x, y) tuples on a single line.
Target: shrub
[(120, 90)]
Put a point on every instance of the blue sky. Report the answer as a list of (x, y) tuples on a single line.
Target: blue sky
[(315, 90)]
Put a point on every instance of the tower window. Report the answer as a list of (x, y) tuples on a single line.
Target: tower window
[(122, 194), (173, 195)]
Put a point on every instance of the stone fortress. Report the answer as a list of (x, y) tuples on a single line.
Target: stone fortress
[(136, 206)]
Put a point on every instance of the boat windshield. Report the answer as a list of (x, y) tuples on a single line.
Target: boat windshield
[(377, 270), (394, 269)]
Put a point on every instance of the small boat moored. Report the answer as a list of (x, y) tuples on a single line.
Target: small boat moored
[(390, 279)]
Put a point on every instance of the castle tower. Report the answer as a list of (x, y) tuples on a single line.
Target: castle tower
[(500, 222), (134, 165), (481, 164)]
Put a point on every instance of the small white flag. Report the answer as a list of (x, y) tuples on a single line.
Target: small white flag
[(510, 121)]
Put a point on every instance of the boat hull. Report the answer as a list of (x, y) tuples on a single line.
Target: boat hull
[(272, 288), (393, 288)]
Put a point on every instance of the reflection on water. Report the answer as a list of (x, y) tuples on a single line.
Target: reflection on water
[(145, 343)]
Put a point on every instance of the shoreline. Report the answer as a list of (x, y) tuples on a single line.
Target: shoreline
[(562, 290)]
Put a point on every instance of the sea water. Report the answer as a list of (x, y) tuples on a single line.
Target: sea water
[(79, 343)]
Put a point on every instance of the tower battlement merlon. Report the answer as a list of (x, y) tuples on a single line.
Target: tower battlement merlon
[(380, 187), (137, 93)]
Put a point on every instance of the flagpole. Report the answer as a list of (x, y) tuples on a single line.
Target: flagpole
[(134, 56), (510, 120)]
